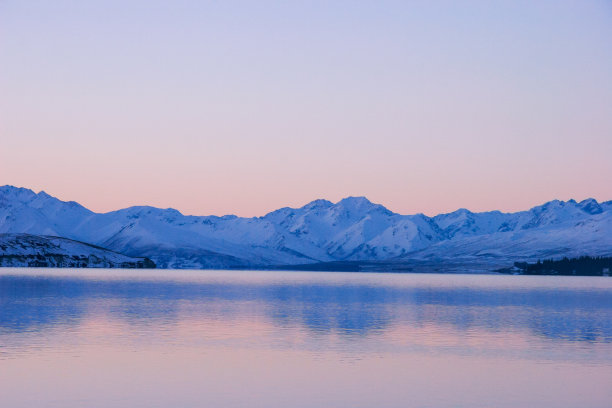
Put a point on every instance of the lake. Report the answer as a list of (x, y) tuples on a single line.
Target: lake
[(168, 338)]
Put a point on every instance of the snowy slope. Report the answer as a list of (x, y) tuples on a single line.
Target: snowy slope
[(321, 231), (34, 250), (570, 238)]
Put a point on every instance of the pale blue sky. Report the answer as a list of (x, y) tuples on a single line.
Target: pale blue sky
[(243, 107)]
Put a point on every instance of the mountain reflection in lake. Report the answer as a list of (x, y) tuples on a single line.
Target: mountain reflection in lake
[(232, 338)]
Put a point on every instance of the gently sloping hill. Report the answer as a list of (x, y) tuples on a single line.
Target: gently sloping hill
[(25, 250)]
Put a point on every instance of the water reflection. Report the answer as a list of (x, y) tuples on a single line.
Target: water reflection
[(37, 303), (244, 339)]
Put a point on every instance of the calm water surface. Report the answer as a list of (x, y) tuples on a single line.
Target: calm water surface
[(125, 338)]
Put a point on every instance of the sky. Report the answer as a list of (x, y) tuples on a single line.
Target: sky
[(244, 107)]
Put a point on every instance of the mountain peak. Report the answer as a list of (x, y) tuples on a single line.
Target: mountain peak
[(21, 194), (141, 210), (462, 211), (355, 201), (360, 204), (549, 206), (318, 204), (591, 206), (8, 189)]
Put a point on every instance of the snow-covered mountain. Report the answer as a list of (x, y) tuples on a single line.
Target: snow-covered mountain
[(353, 229)]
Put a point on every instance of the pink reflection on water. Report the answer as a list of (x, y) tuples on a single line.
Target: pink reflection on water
[(242, 362)]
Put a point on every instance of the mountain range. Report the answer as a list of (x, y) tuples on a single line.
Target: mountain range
[(353, 230)]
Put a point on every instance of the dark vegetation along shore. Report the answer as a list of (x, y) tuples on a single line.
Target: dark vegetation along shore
[(71, 261), (583, 266)]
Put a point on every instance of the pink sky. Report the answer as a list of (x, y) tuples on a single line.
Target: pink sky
[(216, 109)]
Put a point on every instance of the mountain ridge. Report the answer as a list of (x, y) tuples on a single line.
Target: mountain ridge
[(352, 229)]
